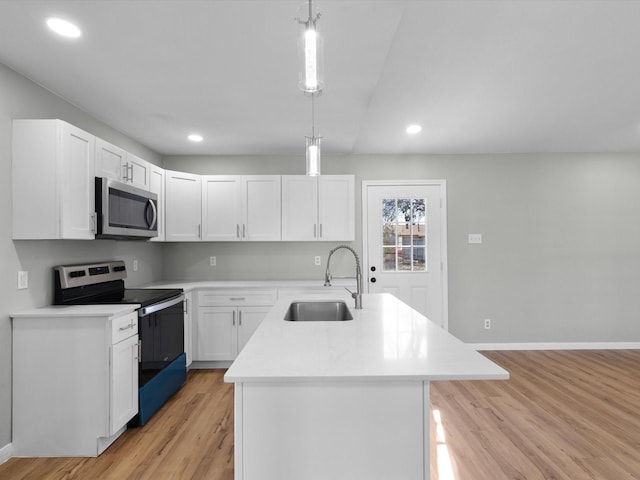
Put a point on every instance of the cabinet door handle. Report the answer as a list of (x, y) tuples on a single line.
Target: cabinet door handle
[(130, 168), (199, 231), (320, 230), (240, 318), (244, 230), (237, 299), (233, 321), (237, 230), (126, 328), (315, 230)]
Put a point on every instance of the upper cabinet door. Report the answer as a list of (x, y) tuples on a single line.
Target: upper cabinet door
[(336, 209), (156, 185), (221, 208), (77, 186), (137, 171), (299, 208), (110, 160), (183, 208), (261, 215)]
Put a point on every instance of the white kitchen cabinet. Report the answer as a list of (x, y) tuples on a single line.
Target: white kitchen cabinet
[(137, 171), (226, 319), (183, 207), (116, 164), (241, 208), (75, 379), (318, 208), (110, 160), (156, 185), (124, 383), (53, 184), (221, 208), (188, 326)]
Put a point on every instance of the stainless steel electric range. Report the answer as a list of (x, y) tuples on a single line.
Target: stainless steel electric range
[(162, 360)]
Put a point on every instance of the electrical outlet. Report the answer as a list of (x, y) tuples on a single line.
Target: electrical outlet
[(23, 280), (212, 261), (487, 323), (135, 265), (318, 260), (475, 238)]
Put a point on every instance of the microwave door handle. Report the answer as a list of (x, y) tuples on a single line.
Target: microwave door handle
[(155, 214)]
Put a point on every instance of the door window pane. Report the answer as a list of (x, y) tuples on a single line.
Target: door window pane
[(404, 234)]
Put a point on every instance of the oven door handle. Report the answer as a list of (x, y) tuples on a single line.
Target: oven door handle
[(143, 312)]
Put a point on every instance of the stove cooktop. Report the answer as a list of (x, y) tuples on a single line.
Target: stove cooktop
[(143, 296)]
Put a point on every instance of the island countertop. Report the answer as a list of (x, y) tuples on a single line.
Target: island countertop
[(386, 340)]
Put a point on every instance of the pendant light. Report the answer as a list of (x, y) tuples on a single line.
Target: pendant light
[(311, 49), (313, 146), (311, 82)]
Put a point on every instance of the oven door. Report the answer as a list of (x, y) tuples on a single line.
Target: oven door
[(125, 212), (161, 330)]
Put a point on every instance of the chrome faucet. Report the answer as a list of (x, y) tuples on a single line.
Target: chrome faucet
[(357, 296)]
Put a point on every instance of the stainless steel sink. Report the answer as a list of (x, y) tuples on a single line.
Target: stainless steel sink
[(320, 311)]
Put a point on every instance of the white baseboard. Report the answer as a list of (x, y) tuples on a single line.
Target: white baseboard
[(557, 346), (6, 452)]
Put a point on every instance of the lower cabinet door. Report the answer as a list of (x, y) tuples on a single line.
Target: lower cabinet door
[(216, 336), (123, 398)]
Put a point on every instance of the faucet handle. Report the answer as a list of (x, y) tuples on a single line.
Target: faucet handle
[(353, 294)]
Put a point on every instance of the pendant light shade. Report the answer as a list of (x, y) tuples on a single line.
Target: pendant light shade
[(310, 50), (313, 156), (311, 65)]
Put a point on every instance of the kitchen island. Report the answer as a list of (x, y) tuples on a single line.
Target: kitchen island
[(344, 399)]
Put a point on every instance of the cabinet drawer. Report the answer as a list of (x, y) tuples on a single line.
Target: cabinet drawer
[(207, 298), (124, 327)]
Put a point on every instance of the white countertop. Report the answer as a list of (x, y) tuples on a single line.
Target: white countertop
[(65, 311), (386, 340)]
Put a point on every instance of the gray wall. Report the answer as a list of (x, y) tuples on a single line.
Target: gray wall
[(560, 258), (20, 98)]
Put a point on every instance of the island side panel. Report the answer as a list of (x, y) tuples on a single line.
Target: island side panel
[(338, 430)]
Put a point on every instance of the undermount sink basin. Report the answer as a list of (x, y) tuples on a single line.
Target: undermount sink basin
[(321, 311)]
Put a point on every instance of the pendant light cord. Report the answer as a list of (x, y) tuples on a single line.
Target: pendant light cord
[(313, 126)]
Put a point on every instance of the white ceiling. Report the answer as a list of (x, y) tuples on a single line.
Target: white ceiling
[(480, 76)]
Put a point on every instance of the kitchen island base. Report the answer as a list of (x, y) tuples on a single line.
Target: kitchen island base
[(337, 430)]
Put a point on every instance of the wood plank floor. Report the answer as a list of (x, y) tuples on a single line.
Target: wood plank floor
[(562, 415)]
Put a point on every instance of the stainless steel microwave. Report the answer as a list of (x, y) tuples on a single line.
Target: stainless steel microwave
[(125, 212)]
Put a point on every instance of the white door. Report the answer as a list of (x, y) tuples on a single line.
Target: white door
[(221, 208), (261, 203), (77, 185), (183, 207), (124, 383), (404, 231)]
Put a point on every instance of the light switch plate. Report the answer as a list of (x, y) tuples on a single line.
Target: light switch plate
[(23, 280), (317, 260), (212, 261), (475, 238)]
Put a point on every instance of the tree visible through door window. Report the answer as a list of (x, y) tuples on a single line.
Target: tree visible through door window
[(404, 235)]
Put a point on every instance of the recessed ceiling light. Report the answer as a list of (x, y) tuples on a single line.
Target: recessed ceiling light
[(63, 27), (413, 129), (194, 137)]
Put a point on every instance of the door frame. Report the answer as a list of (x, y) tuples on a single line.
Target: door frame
[(443, 231)]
